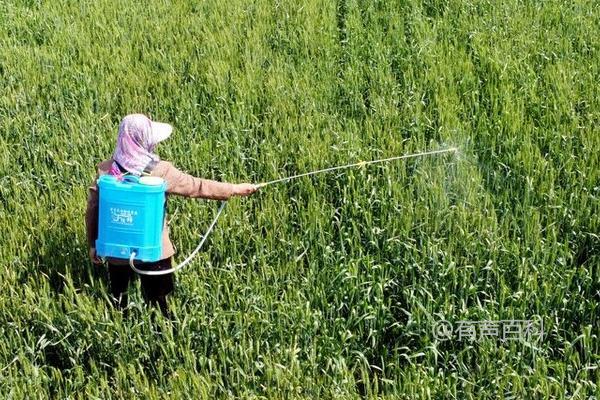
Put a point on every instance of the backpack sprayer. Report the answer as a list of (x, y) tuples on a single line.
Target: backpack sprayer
[(130, 217), (132, 211)]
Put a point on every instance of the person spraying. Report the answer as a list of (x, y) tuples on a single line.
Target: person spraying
[(134, 155)]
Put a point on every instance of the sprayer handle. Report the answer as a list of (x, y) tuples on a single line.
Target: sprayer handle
[(131, 178)]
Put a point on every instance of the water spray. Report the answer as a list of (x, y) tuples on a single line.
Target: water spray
[(281, 180)]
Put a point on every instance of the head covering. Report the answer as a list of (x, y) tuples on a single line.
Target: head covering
[(138, 135)]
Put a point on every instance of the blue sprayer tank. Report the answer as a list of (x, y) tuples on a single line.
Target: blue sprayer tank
[(130, 217)]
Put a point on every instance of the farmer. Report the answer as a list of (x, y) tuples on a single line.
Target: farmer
[(134, 154)]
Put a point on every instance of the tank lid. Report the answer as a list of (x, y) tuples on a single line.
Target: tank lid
[(151, 180)]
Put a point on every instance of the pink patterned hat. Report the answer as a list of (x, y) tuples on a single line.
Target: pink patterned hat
[(138, 135)]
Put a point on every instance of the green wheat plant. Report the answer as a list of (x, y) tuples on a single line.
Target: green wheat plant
[(329, 286)]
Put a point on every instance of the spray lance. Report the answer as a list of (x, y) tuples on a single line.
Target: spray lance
[(147, 246)]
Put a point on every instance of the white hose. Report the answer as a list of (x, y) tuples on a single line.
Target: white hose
[(187, 260), (358, 164), (289, 178)]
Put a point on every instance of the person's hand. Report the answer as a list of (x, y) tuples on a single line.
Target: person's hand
[(245, 189), (94, 257)]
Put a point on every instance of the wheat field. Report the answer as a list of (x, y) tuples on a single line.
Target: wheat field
[(328, 286)]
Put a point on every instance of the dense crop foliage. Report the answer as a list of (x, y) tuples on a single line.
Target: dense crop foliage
[(329, 286)]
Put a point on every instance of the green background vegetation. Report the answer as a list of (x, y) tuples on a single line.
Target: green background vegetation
[(329, 286)]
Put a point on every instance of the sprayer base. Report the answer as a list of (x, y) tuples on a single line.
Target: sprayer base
[(144, 254)]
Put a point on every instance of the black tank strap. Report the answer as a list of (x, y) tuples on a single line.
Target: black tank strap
[(151, 165), (123, 170), (147, 169)]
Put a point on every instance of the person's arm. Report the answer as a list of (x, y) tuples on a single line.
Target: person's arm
[(91, 222), (183, 184)]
